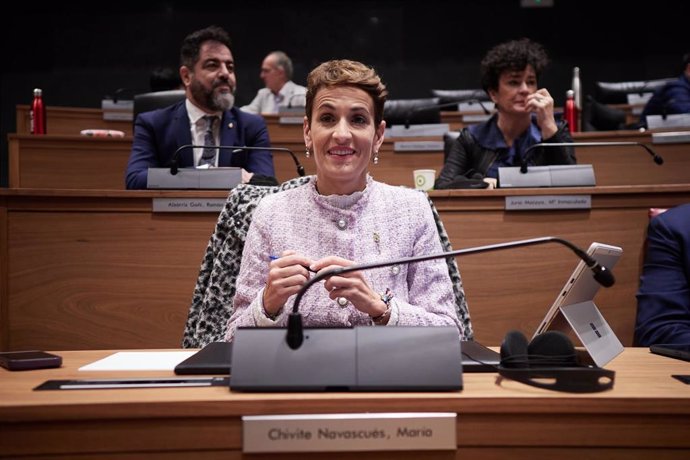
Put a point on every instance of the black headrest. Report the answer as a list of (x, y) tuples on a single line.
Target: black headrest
[(617, 92), (412, 111), (447, 96), (157, 100)]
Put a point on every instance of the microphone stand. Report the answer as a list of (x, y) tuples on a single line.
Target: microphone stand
[(174, 160), (295, 330), (523, 165)]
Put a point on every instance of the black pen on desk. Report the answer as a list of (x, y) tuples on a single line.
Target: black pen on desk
[(272, 257)]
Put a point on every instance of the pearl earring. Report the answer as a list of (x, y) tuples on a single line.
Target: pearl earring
[(376, 157), (306, 153)]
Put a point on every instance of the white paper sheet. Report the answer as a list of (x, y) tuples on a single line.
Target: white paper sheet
[(139, 361)]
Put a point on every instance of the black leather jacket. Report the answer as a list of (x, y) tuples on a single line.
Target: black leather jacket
[(468, 162)]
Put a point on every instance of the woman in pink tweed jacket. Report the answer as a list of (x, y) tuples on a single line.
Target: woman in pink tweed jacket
[(341, 218)]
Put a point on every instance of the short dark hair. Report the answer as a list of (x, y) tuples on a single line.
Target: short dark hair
[(164, 79), (191, 45), (511, 55), (686, 60)]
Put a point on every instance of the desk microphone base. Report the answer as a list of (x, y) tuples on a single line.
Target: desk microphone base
[(371, 358), (547, 176), (192, 178)]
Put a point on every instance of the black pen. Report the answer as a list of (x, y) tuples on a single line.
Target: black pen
[(278, 257)]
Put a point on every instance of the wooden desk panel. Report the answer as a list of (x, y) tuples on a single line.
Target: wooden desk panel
[(60, 161), (55, 161), (644, 416), (79, 162), (101, 270), (71, 120)]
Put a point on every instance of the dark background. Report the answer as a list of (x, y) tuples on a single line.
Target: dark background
[(81, 52)]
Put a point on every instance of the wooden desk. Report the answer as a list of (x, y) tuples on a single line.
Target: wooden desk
[(71, 120), (61, 161), (80, 162), (646, 415), (98, 269)]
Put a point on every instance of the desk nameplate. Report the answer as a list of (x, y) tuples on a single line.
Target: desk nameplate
[(418, 146), (291, 120), (423, 130), (188, 204), (545, 202), (349, 432)]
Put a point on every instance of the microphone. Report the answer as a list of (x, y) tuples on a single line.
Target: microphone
[(295, 330), (526, 156), (174, 167)]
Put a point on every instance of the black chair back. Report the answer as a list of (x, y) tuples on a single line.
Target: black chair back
[(412, 111), (600, 117), (448, 96), (617, 92), (157, 100)]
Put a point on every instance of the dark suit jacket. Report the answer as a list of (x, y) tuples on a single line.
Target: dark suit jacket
[(663, 299), (157, 134)]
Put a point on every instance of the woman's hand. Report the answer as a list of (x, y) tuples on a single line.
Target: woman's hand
[(286, 276), (541, 103), (352, 286)]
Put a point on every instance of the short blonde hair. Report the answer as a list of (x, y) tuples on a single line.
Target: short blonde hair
[(344, 72)]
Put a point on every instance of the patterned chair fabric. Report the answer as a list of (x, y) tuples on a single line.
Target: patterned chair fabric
[(211, 306)]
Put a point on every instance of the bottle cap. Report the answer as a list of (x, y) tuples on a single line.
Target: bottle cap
[(570, 93), (38, 92)]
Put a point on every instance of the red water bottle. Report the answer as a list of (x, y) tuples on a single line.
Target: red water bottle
[(570, 111), (38, 113)]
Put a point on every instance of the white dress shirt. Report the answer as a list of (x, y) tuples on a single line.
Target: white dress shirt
[(290, 95)]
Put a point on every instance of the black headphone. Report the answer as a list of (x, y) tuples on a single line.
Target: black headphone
[(549, 361)]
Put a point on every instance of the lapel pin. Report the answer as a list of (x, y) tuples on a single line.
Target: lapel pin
[(230, 125)]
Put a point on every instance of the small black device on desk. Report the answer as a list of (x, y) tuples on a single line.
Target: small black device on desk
[(28, 360), (679, 351)]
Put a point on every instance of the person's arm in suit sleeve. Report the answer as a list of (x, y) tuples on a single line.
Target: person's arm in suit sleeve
[(143, 155), (663, 298), (678, 97), (259, 161)]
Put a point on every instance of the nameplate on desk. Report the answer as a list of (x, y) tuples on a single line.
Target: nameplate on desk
[(544, 202), (291, 120), (433, 129), (214, 205), (122, 110), (637, 101), (674, 137), (475, 118), (349, 432), (679, 120), (418, 146)]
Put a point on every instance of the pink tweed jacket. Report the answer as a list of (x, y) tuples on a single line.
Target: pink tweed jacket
[(380, 223)]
